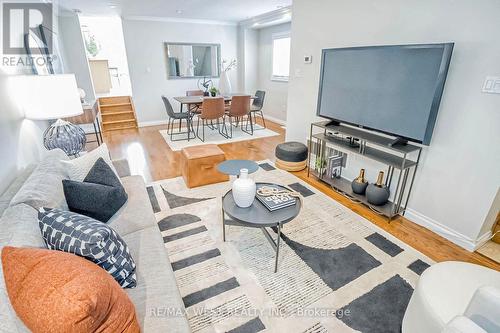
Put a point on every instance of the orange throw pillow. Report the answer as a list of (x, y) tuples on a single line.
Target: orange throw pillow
[(53, 291)]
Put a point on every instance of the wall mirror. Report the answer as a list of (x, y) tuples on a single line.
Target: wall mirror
[(191, 60)]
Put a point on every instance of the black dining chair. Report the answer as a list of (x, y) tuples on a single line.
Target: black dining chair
[(180, 116), (257, 105)]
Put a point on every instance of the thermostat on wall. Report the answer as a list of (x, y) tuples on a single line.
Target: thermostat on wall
[(308, 59), (492, 85)]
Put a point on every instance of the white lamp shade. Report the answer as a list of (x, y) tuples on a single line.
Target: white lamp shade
[(49, 96)]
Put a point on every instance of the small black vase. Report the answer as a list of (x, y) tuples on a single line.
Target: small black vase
[(359, 184), (378, 194)]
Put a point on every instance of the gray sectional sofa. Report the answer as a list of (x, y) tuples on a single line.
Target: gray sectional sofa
[(156, 295)]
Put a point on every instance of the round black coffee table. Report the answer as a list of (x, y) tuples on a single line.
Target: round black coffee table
[(258, 216)]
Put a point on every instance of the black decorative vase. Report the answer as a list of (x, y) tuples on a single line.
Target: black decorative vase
[(359, 184), (378, 194)]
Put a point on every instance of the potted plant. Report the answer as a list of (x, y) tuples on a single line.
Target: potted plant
[(213, 91), (320, 166)]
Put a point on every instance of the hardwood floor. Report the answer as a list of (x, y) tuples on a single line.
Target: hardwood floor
[(150, 156)]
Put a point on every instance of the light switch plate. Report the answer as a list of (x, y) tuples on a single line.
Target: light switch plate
[(492, 85), (308, 59)]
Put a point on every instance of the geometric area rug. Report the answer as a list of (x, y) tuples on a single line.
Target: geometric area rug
[(337, 271)]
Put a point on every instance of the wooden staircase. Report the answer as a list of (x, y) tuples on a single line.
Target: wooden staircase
[(117, 113)]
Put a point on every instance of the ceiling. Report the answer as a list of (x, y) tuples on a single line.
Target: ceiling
[(217, 10)]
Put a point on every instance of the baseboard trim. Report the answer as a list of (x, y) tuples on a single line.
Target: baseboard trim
[(164, 122), (442, 230), (152, 123), (275, 120)]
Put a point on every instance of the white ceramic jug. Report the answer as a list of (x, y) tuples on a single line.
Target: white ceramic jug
[(244, 190)]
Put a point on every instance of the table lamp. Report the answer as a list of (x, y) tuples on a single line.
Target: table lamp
[(52, 97)]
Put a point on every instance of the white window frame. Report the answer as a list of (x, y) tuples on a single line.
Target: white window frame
[(278, 78)]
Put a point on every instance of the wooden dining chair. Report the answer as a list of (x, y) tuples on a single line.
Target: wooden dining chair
[(239, 110), (195, 108), (212, 110), (194, 93)]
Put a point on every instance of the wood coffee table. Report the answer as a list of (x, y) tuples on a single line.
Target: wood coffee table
[(258, 216)]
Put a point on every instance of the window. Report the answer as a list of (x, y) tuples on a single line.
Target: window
[(281, 57)]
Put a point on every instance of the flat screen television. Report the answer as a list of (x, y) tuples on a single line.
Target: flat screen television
[(392, 89)]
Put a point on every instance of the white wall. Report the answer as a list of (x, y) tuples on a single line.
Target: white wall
[(21, 139), (109, 34), (459, 173), (276, 91), (75, 59), (251, 73), (144, 42)]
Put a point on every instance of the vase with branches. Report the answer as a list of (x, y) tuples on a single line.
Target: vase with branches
[(225, 84)]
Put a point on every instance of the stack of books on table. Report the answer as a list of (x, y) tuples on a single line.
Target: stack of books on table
[(275, 202)]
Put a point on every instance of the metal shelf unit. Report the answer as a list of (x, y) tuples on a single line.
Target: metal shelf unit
[(402, 158)]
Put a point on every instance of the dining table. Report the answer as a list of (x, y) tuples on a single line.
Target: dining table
[(192, 103)]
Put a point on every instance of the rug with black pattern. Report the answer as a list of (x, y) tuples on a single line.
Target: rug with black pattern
[(337, 271)]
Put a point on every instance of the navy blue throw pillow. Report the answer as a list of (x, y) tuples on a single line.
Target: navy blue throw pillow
[(88, 238), (100, 195)]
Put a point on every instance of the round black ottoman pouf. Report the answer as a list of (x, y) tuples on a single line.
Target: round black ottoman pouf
[(291, 156), (291, 152)]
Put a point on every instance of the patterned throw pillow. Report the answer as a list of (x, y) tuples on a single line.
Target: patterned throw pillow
[(91, 239)]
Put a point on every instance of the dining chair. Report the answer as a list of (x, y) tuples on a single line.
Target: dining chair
[(257, 105), (239, 109), (212, 109), (173, 116), (194, 93), (196, 108)]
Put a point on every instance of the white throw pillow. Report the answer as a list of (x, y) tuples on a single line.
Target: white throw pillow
[(78, 168)]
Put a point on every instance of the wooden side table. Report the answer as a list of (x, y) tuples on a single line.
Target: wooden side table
[(89, 116), (198, 165)]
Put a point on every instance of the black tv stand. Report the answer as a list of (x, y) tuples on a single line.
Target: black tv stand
[(400, 158), (332, 123), (399, 141)]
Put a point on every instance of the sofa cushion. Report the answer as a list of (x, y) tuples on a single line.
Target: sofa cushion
[(9, 322), (53, 291), (99, 196), (19, 227), (136, 213), (14, 187), (78, 168), (156, 286), (89, 238), (44, 186)]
